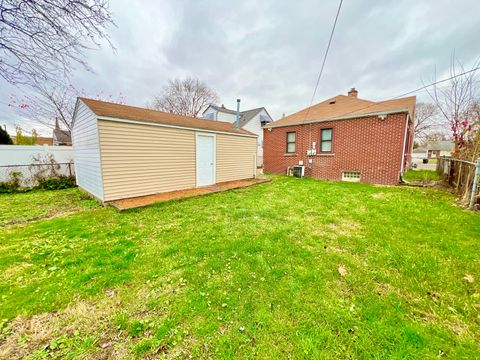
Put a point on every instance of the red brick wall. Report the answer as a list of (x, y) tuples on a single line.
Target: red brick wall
[(369, 145)]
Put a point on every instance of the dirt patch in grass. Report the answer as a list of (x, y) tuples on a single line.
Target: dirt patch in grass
[(51, 334)]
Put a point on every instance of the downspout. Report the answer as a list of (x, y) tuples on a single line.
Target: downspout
[(404, 146), (238, 113)]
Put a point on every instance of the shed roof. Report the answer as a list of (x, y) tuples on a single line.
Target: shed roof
[(345, 107), (133, 113)]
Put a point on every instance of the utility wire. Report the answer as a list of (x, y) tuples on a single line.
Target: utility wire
[(436, 82), (413, 91), (325, 57)]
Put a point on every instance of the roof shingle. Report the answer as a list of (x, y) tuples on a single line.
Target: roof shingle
[(126, 112), (342, 106)]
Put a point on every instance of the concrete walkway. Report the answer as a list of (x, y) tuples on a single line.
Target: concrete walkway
[(140, 201)]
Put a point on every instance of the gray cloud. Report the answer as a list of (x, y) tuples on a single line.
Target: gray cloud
[(269, 53)]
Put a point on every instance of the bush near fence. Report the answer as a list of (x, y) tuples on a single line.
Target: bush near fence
[(463, 177), (49, 176)]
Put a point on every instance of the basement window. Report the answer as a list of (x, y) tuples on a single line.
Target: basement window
[(352, 176)]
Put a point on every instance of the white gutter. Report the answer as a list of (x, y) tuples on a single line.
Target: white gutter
[(273, 125), (404, 144), (107, 118)]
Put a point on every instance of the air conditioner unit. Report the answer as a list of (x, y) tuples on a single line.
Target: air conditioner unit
[(298, 171)]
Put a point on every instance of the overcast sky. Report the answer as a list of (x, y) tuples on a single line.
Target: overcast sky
[(268, 53)]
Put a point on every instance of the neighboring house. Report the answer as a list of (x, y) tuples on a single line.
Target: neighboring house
[(434, 149), (419, 153), (252, 120), (61, 137), (39, 141), (123, 151), (344, 138)]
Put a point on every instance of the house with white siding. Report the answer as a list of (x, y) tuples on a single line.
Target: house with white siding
[(252, 120), (123, 151)]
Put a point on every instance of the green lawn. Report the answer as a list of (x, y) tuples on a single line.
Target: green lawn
[(421, 175), (40, 204), (251, 273)]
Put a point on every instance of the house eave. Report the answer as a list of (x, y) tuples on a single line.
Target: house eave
[(347, 117)]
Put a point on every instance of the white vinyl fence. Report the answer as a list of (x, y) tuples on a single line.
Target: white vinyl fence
[(29, 159)]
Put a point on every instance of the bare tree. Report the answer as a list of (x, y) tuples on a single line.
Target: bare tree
[(427, 120), (456, 101), (184, 97), (41, 40), (49, 103)]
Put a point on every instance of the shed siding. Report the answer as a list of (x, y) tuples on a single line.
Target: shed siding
[(86, 151), (141, 160), (236, 157)]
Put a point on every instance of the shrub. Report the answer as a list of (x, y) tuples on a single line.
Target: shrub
[(57, 182), (12, 184)]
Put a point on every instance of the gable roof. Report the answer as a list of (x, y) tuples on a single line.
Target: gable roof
[(62, 136), (115, 111), (245, 116), (346, 107)]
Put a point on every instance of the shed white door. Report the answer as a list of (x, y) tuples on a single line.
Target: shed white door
[(205, 159)]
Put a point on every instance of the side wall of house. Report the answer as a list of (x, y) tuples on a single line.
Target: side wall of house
[(236, 157), (86, 151), (369, 145), (255, 127), (141, 160)]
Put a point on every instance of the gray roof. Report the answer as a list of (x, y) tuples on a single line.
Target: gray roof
[(62, 136), (419, 150), (445, 145), (245, 116)]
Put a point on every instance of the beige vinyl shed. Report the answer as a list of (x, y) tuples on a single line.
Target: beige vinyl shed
[(124, 151)]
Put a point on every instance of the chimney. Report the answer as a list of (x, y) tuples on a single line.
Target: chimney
[(223, 106), (238, 113), (353, 92)]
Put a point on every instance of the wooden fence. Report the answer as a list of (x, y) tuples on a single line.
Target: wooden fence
[(463, 177)]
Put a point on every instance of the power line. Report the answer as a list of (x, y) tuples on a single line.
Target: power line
[(325, 57), (436, 82), (424, 87)]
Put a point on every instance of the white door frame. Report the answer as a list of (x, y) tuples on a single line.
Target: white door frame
[(197, 134)]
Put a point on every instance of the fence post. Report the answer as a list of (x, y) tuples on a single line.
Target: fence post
[(475, 184)]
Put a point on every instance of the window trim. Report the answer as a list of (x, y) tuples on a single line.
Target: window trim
[(291, 142), (322, 141)]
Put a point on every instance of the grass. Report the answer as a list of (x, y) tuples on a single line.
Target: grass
[(421, 175), (41, 204), (247, 273)]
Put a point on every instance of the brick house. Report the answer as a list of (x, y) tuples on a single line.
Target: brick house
[(344, 138)]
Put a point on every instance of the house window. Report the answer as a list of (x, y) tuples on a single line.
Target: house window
[(326, 140), (210, 116), (352, 176), (291, 142)]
